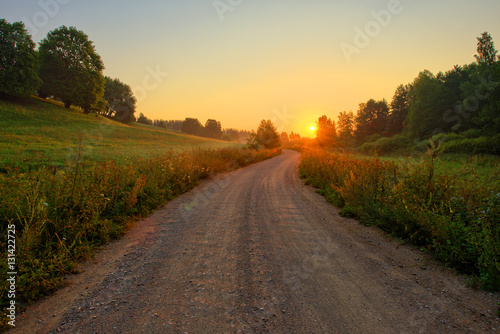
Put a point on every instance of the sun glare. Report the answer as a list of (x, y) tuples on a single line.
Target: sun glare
[(312, 128)]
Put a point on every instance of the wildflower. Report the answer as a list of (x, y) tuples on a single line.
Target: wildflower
[(46, 204)]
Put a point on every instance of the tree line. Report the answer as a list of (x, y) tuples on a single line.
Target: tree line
[(65, 67), (460, 107), (212, 128)]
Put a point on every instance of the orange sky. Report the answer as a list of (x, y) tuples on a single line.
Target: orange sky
[(267, 59)]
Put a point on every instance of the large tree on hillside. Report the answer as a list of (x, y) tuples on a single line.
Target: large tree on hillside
[(18, 60), (71, 69), (120, 101), (213, 129), (486, 53), (371, 119), (192, 126), (326, 132)]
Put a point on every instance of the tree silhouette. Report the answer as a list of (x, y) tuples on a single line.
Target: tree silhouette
[(326, 132), (267, 135), (192, 126), (486, 53), (213, 129)]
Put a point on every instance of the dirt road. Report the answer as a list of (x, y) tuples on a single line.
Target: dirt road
[(256, 251)]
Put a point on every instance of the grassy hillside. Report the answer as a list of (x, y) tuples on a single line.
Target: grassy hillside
[(35, 131)]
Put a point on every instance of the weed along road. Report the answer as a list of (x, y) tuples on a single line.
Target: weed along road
[(257, 251)]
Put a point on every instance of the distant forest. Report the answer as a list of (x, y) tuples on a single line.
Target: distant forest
[(212, 128)]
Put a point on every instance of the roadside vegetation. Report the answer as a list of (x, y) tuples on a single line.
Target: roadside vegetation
[(425, 167), (453, 213), (61, 216)]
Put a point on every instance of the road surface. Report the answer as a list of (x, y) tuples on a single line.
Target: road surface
[(257, 251)]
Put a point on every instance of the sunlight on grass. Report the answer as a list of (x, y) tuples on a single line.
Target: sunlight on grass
[(37, 131)]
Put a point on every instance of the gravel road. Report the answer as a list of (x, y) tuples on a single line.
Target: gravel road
[(257, 251)]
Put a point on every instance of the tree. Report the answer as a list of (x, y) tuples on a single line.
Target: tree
[(345, 126), (175, 125), (267, 135), (480, 107), (284, 137), (233, 135), (486, 53), (429, 100), (326, 132), (18, 60), (213, 129), (294, 136), (71, 69), (400, 107), (252, 142), (144, 120), (192, 126), (120, 101), (371, 119)]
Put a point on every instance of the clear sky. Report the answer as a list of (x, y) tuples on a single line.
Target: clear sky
[(240, 61)]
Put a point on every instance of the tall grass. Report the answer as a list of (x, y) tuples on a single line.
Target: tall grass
[(61, 216), (452, 213)]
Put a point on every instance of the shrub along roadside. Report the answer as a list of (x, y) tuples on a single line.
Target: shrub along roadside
[(455, 215), (62, 217)]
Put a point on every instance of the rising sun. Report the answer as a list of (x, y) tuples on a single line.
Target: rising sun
[(312, 128)]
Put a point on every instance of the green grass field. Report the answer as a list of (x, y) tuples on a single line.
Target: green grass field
[(36, 131)]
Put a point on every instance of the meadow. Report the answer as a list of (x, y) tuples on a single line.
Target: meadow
[(38, 132), (449, 206), (63, 206)]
